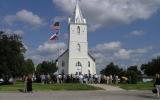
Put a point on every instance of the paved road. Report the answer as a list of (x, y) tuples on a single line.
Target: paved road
[(80, 95), (107, 87)]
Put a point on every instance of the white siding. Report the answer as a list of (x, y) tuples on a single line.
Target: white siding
[(65, 67), (77, 48)]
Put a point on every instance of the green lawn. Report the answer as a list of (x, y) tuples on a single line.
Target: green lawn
[(138, 86), (19, 86)]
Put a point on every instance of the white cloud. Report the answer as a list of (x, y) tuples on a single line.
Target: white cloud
[(19, 32), (123, 54), (9, 19), (110, 52), (25, 46), (45, 52), (110, 12), (10, 31), (156, 55), (59, 18), (108, 46), (142, 50), (137, 33), (26, 17), (49, 48), (114, 52)]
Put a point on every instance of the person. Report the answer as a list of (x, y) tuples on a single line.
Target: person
[(81, 78), (99, 79), (43, 79), (110, 79), (157, 84), (107, 80), (116, 79), (29, 84), (96, 78), (25, 83)]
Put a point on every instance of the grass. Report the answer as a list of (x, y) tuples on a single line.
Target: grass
[(138, 86), (19, 86)]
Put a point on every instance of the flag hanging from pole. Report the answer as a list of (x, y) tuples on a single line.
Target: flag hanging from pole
[(56, 29), (53, 37)]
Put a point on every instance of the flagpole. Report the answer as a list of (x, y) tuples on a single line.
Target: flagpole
[(58, 42)]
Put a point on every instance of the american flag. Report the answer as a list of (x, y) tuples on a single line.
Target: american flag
[(56, 28)]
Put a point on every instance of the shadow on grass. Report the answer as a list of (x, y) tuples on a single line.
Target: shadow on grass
[(21, 90)]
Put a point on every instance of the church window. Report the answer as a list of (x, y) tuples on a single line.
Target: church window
[(78, 29), (79, 47), (78, 64), (88, 64), (63, 64)]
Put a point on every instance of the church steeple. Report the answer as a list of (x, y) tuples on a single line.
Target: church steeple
[(77, 16), (76, 60)]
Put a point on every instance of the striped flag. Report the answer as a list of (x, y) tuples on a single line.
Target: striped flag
[(53, 37), (56, 28)]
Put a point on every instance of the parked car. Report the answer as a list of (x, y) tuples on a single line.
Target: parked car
[(1, 80)]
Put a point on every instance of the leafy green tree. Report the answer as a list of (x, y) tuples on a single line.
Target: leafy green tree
[(133, 74), (46, 67), (28, 67), (152, 67), (11, 55), (112, 69)]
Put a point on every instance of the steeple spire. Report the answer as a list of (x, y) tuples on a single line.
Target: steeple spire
[(77, 16)]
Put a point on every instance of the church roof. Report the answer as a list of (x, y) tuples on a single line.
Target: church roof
[(91, 57), (77, 15), (61, 55)]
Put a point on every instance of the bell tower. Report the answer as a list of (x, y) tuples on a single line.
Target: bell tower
[(78, 45), (76, 59)]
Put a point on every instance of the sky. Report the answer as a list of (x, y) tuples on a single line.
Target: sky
[(125, 32)]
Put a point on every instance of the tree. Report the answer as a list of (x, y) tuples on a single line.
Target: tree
[(28, 67), (111, 69), (133, 74), (11, 56), (152, 67), (46, 67)]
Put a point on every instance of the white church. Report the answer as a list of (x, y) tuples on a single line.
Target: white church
[(76, 59)]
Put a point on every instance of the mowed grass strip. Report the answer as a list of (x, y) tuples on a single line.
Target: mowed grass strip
[(138, 86), (19, 86)]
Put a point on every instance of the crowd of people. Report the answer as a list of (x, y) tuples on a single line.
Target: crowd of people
[(83, 79), (72, 78)]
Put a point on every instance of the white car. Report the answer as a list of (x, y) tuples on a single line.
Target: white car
[(1, 80)]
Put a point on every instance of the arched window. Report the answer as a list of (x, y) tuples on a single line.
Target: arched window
[(79, 68), (78, 30), (63, 63), (79, 47), (78, 64), (88, 64)]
